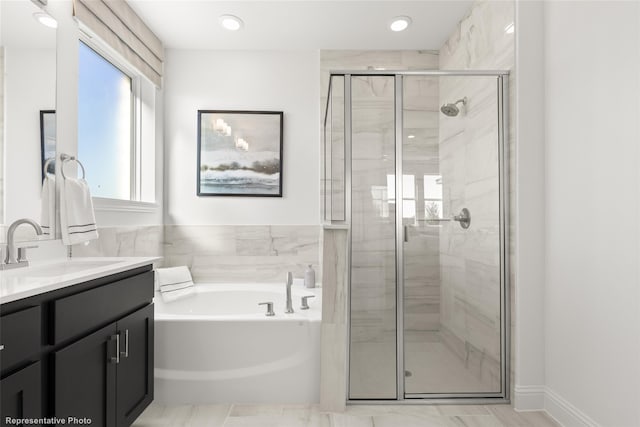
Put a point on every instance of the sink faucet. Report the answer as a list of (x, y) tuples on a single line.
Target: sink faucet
[(13, 259), (289, 283)]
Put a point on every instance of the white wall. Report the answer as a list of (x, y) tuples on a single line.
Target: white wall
[(242, 80), (592, 295), (528, 298), (30, 87)]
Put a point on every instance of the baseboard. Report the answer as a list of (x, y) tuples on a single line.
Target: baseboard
[(564, 412), (542, 398), (529, 398)]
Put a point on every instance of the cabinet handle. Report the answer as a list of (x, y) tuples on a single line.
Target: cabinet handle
[(1, 347), (125, 353), (116, 359)]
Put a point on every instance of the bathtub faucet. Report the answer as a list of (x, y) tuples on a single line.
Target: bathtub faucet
[(289, 302)]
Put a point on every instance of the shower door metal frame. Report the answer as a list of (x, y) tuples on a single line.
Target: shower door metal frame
[(502, 78)]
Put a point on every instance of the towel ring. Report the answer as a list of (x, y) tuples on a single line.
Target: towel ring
[(45, 168), (65, 158)]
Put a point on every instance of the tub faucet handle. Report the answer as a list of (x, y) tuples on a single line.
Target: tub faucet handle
[(269, 305), (305, 304)]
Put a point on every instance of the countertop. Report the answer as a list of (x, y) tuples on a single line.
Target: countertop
[(46, 276)]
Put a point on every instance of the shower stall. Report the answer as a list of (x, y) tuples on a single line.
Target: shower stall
[(415, 168)]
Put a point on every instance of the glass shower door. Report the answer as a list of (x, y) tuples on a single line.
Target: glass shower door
[(372, 355), (451, 245)]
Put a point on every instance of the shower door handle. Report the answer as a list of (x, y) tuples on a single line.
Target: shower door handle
[(406, 233)]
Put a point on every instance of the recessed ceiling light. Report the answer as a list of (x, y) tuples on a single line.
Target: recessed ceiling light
[(411, 136), (400, 23), (45, 19), (509, 28), (230, 22)]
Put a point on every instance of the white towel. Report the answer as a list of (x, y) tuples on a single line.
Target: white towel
[(173, 278), (177, 294), (48, 206), (174, 283), (77, 219)]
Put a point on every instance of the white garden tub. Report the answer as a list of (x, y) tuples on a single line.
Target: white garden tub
[(219, 347)]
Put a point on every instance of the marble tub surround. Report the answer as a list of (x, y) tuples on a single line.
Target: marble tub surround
[(354, 416), (243, 253), (124, 241), (217, 253)]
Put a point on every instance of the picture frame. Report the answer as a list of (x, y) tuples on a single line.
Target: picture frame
[(47, 141), (240, 153)]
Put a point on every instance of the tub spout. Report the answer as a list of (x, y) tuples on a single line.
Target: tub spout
[(289, 302)]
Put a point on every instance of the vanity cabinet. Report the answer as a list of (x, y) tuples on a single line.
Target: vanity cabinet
[(21, 394), (108, 375), (80, 353), (20, 339)]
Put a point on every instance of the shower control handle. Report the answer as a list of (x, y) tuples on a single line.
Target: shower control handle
[(305, 303), (464, 218), (269, 305)]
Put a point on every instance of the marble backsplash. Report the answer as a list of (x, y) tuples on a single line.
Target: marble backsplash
[(217, 253)]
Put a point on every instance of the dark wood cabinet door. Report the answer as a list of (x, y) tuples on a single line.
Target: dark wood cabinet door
[(21, 394), (135, 371), (20, 336), (85, 377)]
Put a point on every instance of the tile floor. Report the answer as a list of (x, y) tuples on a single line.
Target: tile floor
[(355, 416)]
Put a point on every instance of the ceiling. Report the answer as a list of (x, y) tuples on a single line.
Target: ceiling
[(301, 24), (19, 29)]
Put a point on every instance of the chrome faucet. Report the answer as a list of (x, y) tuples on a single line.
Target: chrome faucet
[(289, 283), (19, 259)]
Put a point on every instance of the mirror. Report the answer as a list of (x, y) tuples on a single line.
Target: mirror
[(27, 113)]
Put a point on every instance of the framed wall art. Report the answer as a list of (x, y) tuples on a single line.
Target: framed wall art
[(240, 153), (47, 140)]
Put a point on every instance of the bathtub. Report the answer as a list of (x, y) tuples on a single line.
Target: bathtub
[(219, 347)]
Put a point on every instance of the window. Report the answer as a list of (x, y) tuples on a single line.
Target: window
[(432, 196), (106, 120), (408, 196)]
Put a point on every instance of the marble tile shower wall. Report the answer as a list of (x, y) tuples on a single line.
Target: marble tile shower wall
[(470, 269), (217, 253)]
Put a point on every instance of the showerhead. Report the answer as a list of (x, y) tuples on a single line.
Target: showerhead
[(452, 110)]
